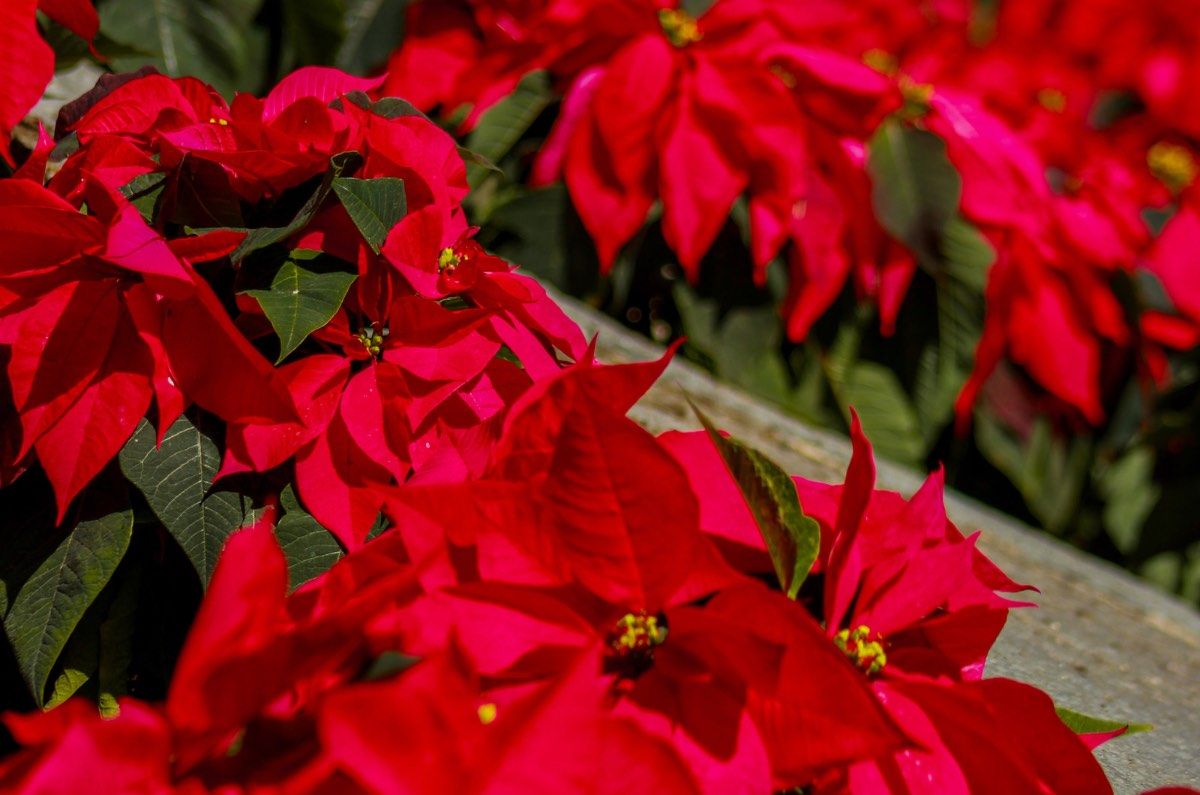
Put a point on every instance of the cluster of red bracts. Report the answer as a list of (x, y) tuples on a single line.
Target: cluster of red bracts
[(103, 315), (589, 613), (777, 101), (559, 600)]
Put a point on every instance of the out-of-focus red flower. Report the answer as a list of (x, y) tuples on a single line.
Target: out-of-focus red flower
[(71, 747), (26, 61), (1172, 259)]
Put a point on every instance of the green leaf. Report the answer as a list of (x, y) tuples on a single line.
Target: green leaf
[(116, 643), (914, 187), (793, 539), (874, 391), (79, 662), (388, 665), (1129, 492), (388, 107), (96, 660), (1086, 724), (310, 549), (313, 31), (966, 254), (301, 300), (888, 416), (375, 205), (946, 363), (373, 27), (503, 124), (478, 166), (696, 8), (51, 602), (175, 479), (144, 191), (214, 40), (1050, 471), (339, 166)]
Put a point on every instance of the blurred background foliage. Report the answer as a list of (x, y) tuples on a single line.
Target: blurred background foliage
[(1125, 492)]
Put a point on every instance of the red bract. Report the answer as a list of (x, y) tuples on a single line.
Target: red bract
[(69, 748), (558, 737), (913, 605), (257, 148), (26, 61), (901, 579), (833, 239), (1172, 261), (972, 736), (406, 384), (102, 315), (1147, 50), (707, 122), (584, 541), (564, 623)]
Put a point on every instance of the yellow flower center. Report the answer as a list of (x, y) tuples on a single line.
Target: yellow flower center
[(1052, 100), (881, 61), (867, 654), (487, 713), (680, 26), (638, 632), (448, 260), (916, 96), (787, 78), (1173, 165), (373, 340)]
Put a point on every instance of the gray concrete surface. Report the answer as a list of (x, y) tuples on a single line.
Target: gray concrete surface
[(1101, 641)]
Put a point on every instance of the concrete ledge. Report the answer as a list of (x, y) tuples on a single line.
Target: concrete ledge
[(1102, 642)]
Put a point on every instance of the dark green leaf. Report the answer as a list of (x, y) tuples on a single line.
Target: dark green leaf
[(143, 192), (301, 300), (1050, 471), (946, 364), (96, 660), (873, 390), (389, 664), (373, 27), (309, 548), (116, 643), (696, 7), (1086, 724), (793, 539), (79, 662), (51, 602), (388, 107), (70, 49), (742, 345), (966, 254), (915, 188), (175, 478), (213, 40), (478, 166), (888, 416), (340, 165), (313, 31), (1151, 293), (503, 124), (1130, 494), (375, 205)]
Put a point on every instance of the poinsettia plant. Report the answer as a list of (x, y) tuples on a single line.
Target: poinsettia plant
[(306, 490), (971, 220)]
